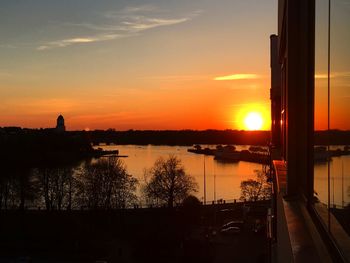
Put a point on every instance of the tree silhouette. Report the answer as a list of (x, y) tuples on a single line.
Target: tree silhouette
[(106, 184), (56, 187), (167, 183), (253, 190), (9, 190)]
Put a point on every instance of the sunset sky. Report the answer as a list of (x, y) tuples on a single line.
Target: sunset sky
[(340, 65), (163, 64)]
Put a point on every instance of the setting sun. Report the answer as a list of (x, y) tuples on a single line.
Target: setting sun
[(253, 121), (252, 117)]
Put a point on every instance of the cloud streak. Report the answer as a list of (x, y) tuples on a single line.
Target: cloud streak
[(78, 40), (333, 75), (237, 77), (130, 21)]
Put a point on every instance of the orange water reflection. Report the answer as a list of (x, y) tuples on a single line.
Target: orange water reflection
[(228, 175), (339, 181)]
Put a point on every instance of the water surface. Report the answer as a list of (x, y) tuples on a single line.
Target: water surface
[(227, 176)]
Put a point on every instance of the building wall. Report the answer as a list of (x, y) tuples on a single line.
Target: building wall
[(275, 93), (314, 233), (296, 49)]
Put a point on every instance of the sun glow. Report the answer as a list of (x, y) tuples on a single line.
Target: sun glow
[(253, 121), (252, 117)]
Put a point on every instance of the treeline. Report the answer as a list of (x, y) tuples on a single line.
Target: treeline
[(161, 137), (28, 158), (103, 184), (180, 137), (190, 137), (37, 147), (333, 137)]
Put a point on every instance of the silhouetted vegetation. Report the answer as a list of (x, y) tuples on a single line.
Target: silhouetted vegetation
[(33, 148), (190, 137), (333, 137), (258, 189), (180, 137), (173, 137), (167, 182), (57, 187), (37, 164), (105, 184)]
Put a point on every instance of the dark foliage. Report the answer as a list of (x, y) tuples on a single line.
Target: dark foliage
[(258, 189), (180, 137), (167, 183), (106, 184)]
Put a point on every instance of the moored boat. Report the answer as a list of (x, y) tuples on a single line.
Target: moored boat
[(228, 153)]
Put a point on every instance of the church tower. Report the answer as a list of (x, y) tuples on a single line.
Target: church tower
[(60, 124)]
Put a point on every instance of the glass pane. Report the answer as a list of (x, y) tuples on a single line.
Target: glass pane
[(332, 151), (339, 117), (321, 100)]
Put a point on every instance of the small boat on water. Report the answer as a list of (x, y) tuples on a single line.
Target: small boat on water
[(100, 152), (199, 150), (228, 153), (257, 149)]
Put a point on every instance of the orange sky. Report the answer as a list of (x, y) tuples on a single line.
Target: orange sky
[(340, 66), (146, 65), (154, 64)]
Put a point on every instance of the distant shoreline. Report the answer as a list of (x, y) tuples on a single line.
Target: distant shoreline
[(184, 137)]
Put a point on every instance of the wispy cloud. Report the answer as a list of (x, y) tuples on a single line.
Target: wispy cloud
[(143, 23), (333, 75), (237, 77), (127, 22), (78, 40)]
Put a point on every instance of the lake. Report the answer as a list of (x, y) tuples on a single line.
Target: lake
[(227, 176), (339, 181)]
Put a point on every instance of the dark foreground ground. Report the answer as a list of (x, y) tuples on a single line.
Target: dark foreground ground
[(189, 234)]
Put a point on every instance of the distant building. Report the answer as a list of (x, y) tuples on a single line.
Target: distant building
[(60, 124)]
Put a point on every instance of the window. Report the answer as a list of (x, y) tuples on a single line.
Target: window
[(332, 125)]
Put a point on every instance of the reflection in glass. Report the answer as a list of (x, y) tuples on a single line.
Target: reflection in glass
[(332, 125)]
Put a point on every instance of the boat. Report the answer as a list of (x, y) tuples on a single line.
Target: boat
[(228, 153), (100, 152), (257, 149), (199, 150)]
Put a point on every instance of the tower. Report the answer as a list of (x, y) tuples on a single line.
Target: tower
[(60, 124)]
